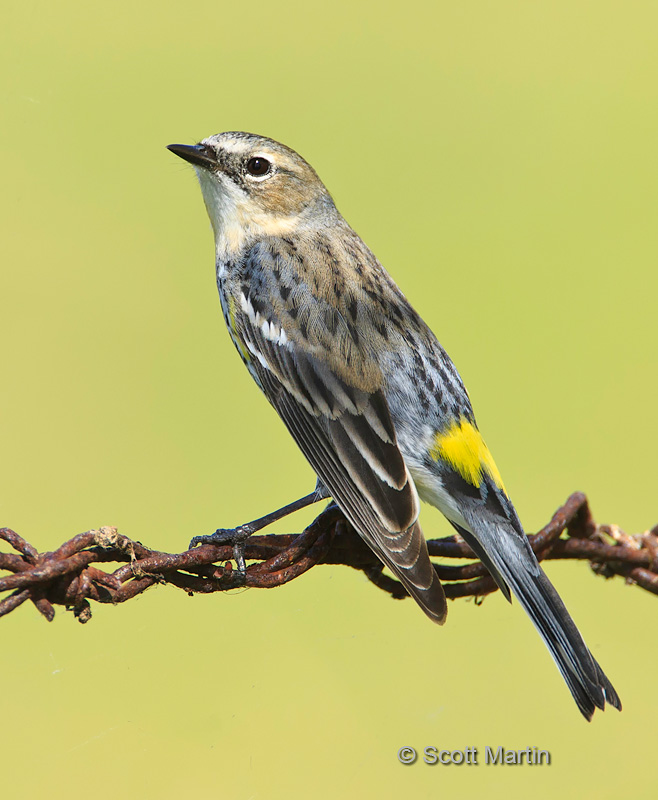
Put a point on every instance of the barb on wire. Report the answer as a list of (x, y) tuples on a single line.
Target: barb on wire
[(71, 576)]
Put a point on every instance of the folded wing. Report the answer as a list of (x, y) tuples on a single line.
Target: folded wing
[(346, 433)]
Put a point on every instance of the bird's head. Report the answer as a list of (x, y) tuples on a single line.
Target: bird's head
[(254, 186)]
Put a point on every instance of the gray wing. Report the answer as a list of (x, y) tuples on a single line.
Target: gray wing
[(347, 435)]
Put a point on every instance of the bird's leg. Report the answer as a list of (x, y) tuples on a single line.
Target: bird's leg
[(238, 536)]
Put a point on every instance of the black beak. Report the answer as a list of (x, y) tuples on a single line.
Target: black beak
[(197, 154)]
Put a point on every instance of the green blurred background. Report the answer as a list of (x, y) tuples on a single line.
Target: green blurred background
[(500, 159)]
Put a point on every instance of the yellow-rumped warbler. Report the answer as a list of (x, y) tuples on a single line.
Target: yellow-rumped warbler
[(365, 389)]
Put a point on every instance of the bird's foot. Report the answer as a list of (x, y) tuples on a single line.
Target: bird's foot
[(237, 537)]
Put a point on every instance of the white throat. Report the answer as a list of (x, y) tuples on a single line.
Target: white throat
[(232, 215)]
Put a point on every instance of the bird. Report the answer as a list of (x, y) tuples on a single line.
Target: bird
[(365, 389)]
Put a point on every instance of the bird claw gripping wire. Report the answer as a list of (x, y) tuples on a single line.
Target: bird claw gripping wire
[(236, 537)]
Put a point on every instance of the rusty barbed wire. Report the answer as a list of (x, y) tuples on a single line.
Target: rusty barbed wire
[(68, 576)]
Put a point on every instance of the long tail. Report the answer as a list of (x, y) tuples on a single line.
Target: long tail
[(511, 561)]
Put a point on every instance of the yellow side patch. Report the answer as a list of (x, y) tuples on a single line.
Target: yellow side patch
[(463, 447), (234, 332)]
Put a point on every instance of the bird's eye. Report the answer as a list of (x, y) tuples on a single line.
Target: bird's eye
[(258, 166)]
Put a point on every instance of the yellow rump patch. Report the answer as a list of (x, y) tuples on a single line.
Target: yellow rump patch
[(463, 447)]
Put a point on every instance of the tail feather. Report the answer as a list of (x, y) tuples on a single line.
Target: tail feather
[(515, 563)]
